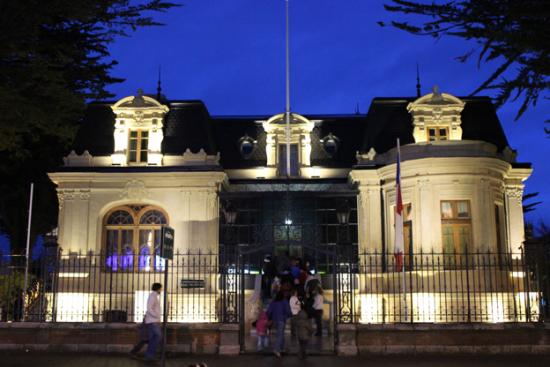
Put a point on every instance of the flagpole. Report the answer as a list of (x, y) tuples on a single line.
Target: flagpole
[(403, 241), (27, 252), (287, 89)]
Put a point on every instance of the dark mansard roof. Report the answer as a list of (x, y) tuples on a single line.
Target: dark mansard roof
[(389, 119), (188, 125)]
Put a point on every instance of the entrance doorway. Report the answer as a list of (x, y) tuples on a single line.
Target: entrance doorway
[(254, 299), (307, 229)]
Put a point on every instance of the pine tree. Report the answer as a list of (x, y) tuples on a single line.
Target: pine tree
[(54, 57)]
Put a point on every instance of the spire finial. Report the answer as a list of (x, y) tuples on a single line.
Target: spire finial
[(418, 92), (159, 87), (357, 109)]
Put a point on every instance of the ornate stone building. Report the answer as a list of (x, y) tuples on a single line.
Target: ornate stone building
[(322, 189), (462, 186)]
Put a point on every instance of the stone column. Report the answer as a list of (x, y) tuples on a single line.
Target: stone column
[(369, 220), (486, 215), (73, 219), (514, 221), (369, 210), (424, 236)]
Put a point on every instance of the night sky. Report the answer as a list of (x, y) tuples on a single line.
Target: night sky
[(230, 54)]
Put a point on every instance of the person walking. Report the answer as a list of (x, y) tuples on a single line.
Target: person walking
[(295, 307), (152, 322), (278, 312), (304, 331), (143, 339), (262, 326), (318, 301)]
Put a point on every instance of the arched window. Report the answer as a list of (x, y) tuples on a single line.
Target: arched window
[(132, 238)]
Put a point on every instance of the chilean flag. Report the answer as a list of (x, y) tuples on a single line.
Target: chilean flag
[(399, 241)]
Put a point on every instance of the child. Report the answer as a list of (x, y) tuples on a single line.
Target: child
[(304, 330), (262, 325)]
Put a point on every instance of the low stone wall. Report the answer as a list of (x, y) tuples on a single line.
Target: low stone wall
[(113, 337), (455, 338), (224, 338)]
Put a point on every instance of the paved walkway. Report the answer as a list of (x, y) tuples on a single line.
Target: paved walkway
[(87, 360)]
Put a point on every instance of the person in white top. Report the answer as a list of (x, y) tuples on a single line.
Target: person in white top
[(295, 307), (318, 301), (152, 321)]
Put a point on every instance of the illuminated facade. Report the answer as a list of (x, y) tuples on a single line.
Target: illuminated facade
[(141, 163)]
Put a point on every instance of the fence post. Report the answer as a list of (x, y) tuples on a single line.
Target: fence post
[(55, 280), (525, 268), (468, 285)]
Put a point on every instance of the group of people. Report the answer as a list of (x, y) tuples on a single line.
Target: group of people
[(294, 293)]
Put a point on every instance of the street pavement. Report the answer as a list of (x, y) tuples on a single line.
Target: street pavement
[(32, 359)]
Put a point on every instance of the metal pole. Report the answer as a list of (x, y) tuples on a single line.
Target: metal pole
[(165, 314), (403, 260), (287, 94), (27, 253)]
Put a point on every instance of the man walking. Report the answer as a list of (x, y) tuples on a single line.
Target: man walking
[(152, 322)]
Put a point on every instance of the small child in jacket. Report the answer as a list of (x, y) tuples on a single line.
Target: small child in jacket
[(304, 330), (262, 326)]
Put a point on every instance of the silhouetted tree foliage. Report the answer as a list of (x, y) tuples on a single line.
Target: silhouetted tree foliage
[(529, 207), (514, 33), (53, 58)]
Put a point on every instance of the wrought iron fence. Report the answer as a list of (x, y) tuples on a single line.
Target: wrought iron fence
[(208, 287), (86, 288), (17, 302), (440, 288)]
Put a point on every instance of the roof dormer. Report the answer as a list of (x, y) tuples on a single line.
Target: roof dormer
[(138, 130), (436, 116), (300, 142)]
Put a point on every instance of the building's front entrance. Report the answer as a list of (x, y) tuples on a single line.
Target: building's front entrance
[(267, 237)]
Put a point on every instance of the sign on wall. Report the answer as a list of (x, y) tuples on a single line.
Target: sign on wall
[(167, 243), (191, 283)]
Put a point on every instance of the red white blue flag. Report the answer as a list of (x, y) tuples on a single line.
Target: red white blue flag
[(399, 241)]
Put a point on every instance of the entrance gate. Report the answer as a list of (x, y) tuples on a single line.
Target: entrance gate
[(306, 225), (243, 278)]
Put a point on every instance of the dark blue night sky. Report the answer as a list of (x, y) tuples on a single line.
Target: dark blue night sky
[(230, 54)]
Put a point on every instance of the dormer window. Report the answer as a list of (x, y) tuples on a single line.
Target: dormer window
[(138, 146), (437, 133), (330, 144), (247, 145), (298, 136), (138, 131), (436, 117), (294, 160)]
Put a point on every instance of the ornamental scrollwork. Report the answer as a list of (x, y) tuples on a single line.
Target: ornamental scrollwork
[(134, 190)]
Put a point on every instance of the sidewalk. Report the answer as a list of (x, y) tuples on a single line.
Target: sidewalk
[(87, 360)]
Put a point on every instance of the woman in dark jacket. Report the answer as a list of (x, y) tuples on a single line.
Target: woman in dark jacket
[(278, 312)]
